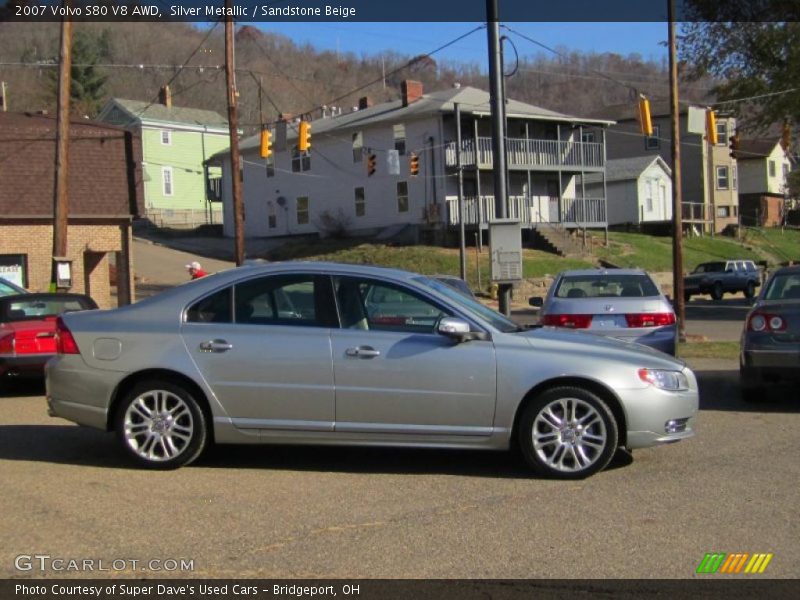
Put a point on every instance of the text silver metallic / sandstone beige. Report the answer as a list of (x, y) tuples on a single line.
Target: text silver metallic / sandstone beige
[(319, 353)]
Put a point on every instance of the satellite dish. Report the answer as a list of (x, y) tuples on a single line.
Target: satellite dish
[(281, 201)]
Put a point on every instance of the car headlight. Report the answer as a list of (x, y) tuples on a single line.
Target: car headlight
[(664, 380)]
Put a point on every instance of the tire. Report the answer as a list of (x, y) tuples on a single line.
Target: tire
[(716, 291), (750, 290), (161, 425), (563, 451), (686, 296)]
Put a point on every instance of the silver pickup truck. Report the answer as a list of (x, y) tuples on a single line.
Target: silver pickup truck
[(722, 277)]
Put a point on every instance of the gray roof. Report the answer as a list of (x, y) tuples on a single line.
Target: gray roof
[(149, 112), (625, 169), (472, 101)]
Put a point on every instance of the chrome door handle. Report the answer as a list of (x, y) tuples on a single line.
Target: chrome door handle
[(215, 346), (362, 352)]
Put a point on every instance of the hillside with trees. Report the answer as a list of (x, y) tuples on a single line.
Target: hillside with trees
[(276, 75)]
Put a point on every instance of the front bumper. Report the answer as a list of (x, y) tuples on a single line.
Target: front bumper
[(650, 411)]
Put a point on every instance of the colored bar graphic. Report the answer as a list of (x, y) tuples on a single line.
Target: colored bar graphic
[(720, 562)]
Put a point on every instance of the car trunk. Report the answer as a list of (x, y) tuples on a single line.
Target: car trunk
[(34, 337)]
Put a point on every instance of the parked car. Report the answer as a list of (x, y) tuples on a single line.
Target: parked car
[(218, 359), (8, 289), (27, 330), (457, 283), (770, 344), (722, 277), (625, 304)]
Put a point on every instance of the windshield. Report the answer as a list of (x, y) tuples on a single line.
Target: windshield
[(784, 287), (475, 308), (712, 267)]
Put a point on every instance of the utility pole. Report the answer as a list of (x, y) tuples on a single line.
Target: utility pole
[(3, 97), (233, 126), (677, 222), (462, 250), (61, 193), (498, 110)]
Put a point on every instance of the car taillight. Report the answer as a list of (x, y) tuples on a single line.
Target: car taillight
[(571, 321), (649, 319), (65, 343), (766, 322), (7, 344)]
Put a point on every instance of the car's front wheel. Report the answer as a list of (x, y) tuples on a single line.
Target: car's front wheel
[(567, 433), (161, 425), (716, 291)]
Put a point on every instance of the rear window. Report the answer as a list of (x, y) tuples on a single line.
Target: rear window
[(40, 308), (606, 286), (784, 287)]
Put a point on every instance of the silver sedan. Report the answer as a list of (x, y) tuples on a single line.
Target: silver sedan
[(318, 353)]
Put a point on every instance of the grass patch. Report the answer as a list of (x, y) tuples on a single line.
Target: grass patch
[(783, 245), (728, 350)]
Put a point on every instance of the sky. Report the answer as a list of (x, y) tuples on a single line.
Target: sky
[(646, 39)]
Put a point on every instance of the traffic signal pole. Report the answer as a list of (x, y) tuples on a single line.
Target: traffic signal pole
[(677, 217), (233, 125)]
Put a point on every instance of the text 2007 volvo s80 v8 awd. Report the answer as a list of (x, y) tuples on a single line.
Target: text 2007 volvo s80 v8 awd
[(341, 354)]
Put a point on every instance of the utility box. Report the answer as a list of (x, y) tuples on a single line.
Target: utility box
[(505, 245)]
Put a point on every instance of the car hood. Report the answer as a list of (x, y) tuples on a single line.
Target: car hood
[(576, 343)]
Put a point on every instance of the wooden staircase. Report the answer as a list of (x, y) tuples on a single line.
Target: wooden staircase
[(557, 240)]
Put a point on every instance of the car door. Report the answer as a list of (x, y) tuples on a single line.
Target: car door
[(263, 346), (395, 374)]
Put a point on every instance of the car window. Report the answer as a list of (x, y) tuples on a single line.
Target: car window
[(740, 266), (712, 267), (39, 308), (605, 286), (750, 266), (215, 308), (783, 287), (277, 300), (379, 306)]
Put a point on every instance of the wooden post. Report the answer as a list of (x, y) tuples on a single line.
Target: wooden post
[(61, 193), (233, 125)]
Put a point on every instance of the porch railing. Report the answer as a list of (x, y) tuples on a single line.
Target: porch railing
[(529, 210), (528, 153)]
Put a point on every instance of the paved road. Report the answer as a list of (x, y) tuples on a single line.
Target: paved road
[(295, 512)]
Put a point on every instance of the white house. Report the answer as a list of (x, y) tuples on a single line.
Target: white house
[(330, 186), (639, 190), (764, 166)]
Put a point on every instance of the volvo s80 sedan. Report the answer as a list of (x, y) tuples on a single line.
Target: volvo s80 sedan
[(319, 353)]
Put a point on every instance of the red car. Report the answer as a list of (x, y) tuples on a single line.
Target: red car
[(28, 329)]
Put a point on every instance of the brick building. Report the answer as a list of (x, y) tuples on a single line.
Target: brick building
[(105, 194)]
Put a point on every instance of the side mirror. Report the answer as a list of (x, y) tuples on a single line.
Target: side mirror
[(536, 301), (458, 330)]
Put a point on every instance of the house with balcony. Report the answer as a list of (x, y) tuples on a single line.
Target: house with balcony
[(709, 175), (176, 142), (394, 165), (764, 166)]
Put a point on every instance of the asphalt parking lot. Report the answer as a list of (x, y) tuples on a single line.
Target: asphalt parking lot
[(354, 512)]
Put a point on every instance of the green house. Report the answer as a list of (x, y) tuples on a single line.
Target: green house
[(176, 141)]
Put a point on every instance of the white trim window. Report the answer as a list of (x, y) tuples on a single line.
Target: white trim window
[(302, 210), (166, 137), (722, 178), (358, 146), (360, 202), (167, 187), (722, 133), (402, 196), (399, 131)]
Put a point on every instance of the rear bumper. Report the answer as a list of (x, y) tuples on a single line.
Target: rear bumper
[(757, 365), (23, 366)]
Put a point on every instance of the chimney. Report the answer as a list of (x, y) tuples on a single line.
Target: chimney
[(411, 90), (364, 102), (165, 96)]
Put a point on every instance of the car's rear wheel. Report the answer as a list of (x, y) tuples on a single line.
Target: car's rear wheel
[(716, 291), (161, 425), (686, 296), (567, 433), (750, 290)]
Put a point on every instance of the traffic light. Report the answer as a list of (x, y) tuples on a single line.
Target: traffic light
[(372, 161), (734, 143), (645, 124), (266, 143), (304, 136), (413, 164), (711, 127)]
